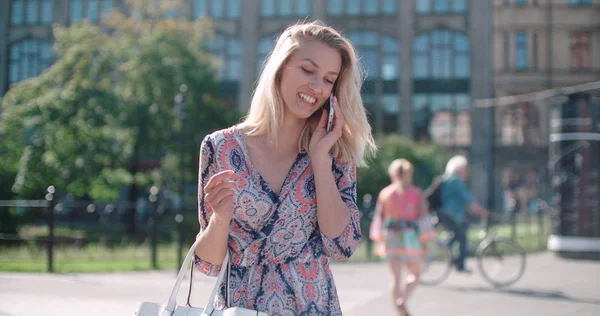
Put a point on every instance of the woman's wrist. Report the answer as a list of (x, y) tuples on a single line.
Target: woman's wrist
[(220, 221), (320, 161)]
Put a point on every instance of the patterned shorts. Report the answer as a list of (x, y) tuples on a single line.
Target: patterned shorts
[(402, 244)]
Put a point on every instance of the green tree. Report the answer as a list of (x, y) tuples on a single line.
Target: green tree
[(103, 115), (428, 161)]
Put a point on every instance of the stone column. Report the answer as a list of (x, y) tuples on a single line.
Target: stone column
[(406, 18), (250, 19), (482, 127)]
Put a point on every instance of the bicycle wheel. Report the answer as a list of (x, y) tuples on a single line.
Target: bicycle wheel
[(501, 261), (437, 263)]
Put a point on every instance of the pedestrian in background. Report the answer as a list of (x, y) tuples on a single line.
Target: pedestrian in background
[(401, 239), (456, 202)]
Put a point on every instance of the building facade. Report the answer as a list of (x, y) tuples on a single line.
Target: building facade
[(538, 45), (426, 60)]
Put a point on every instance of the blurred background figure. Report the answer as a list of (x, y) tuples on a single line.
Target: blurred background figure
[(396, 227), (457, 201)]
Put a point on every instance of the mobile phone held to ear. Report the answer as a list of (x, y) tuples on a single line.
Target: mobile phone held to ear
[(330, 118)]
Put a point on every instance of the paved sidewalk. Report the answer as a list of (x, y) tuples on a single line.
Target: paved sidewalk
[(551, 286)]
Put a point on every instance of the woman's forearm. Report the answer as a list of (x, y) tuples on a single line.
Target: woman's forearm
[(333, 215), (212, 244)]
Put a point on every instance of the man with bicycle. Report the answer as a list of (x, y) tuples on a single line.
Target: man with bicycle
[(456, 200)]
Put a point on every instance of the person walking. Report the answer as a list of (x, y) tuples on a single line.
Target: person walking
[(395, 227)]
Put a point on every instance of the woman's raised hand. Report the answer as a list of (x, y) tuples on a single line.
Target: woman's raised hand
[(218, 193)]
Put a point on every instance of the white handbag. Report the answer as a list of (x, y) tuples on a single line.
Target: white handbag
[(172, 309)]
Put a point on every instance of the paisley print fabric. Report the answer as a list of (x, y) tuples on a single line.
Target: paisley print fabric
[(280, 260)]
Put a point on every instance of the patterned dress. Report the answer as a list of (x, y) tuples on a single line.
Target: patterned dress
[(399, 226), (280, 259)]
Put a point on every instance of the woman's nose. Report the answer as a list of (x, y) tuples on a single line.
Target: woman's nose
[(316, 86)]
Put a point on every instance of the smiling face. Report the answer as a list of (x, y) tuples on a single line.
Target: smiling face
[(308, 77)]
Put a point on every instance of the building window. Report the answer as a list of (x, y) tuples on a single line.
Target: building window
[(16, 13), (31, 12), (441, 54), (442, 118), (265, 45), (441, 101), (27, 59), (520, 125), (284, 8), (440, 6), (520, 2), (521, 51), (380, 55), (581, 50), (361, 7), (229, 50), (92, 10), (580, 2), (216, 9)]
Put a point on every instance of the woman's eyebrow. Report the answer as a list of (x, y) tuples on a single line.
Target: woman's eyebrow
[(315, 64)]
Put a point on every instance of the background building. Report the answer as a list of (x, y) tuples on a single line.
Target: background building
[(426, 60), (538, 45)]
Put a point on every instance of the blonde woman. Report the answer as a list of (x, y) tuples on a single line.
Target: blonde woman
[(278, 191), (399, 208)]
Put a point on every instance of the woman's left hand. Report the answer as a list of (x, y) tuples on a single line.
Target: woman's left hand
[(321, 141)]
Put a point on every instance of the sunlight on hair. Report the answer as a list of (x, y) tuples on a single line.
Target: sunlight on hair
[(266, 107)]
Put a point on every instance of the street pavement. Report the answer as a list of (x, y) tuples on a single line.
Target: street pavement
[(550, 286)]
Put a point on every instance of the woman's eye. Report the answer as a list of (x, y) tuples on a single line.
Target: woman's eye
[(329, 81), (307, 71)]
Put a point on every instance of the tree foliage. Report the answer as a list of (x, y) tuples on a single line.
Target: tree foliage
[(428, 161), (103, 115)]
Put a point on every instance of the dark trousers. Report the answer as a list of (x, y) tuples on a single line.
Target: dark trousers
[(460, 236)]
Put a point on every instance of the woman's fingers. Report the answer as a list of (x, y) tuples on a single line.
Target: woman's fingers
[(220, 195), (340, 120), (215, 194), (323, 120), (217, 178), (226, 200), (221, 186)]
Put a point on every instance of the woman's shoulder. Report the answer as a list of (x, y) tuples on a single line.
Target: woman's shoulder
[(222, 137), (415, 190), (387, 192)]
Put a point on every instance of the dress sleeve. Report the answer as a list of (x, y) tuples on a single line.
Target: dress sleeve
[(207, 168), (342, 247)]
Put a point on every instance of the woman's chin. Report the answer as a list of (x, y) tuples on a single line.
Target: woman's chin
[(303, 112)]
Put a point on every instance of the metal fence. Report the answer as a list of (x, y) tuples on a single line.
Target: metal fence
[(75, 236), (91, 236)]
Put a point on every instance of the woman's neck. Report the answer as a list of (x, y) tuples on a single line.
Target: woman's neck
[(401, 186), (288, 135)]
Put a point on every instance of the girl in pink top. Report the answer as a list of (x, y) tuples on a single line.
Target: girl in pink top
[(395, 227)]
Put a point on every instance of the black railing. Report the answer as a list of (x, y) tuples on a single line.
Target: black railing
[(91, 236)]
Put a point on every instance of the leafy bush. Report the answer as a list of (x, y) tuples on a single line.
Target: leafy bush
[(428, 161)]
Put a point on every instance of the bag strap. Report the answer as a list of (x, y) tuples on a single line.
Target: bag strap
[(216, 286), (208, 309)]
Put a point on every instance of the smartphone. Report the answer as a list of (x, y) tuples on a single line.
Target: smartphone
[(330, 118)]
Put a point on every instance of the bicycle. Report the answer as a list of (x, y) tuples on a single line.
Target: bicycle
[(490, 248)]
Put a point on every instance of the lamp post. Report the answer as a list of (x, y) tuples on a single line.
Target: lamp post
[(181, 116)]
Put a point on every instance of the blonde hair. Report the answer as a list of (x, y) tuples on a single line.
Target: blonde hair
[(266, 108), (399, 167), (456, 163)]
